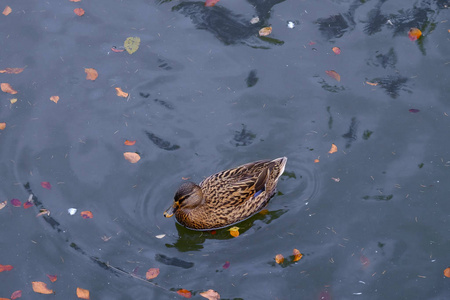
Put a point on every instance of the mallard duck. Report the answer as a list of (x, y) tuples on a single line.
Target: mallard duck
[(227, 197)]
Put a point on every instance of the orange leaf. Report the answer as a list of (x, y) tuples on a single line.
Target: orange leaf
[(52, 278), (6, 87), (41, 287), (87, 214), (152, 273), (79, 11), (447, 272), (184, 293), (91, 73), (414, 34), (132, 157), (82, 293), (265, 31), (54, 98), (16, 294), (5, 268), (372, 83), (129, 143), (75, 0), (333, 149), (297, 255), (210, 295), (121, 93), (316, 160), (12, 70), (211, 3), (279, 259), (2, 126), (336, 50), (27, 204), (7, 10), (333, 74), (234, 231)]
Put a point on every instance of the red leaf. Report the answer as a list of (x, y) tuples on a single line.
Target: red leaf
[(46, 185), (5, 268), (115, 49), (16, 202), (52, 278), (213, 232), (87, 214), (226, 265), (129, 143), (184, 293), (334, 74), (211, 3), (79, 11), (27, 204), (16, 294)]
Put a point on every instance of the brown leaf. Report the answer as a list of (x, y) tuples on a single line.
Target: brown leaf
[(87, 214), (79, 11), (184, 293), (265, 31), (54, 98), (279, 259), (447, 272), (132, 157), (7, 10), (91, 73), (12, 70), (414, 34), (210, 295), (333, 74), (6, 87), (16, 294), (82, 293), (121, 93), (152, 273), (333, 149), (297, 255), (5, 268), (2, 126), (211, 3), (41, 287)]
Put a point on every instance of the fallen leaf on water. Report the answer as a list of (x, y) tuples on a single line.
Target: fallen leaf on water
[(2, 126), (121, 93), (297, 255), (226, 265), (27, 204), (184, 293), (213, 232), (12, 70), (131, 44), (413, 110), (7, 88), (264, 212), (71, 211), (16, 203), (129, 143), (54, 98), (16, 294), (7, 10), (414, 34), (152, 273), (3, 204), (185, 178), (336, 50), (115, 49), (265, 31), (132, 157), (279, 259), (5, 268), (75, 0), (211, 3), (317, 160), (234, 231), (91, 74), (41, 287), (254, 20), (210, 295), (46, 185), (333, 74), (13, 100), (79, 11), (42, 212), (87, 214), (160, 236), (372, 83), (82, 293), (52, 278), (333, 149), (447, 272)]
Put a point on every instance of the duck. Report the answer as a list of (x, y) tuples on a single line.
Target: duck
[(228, 197)]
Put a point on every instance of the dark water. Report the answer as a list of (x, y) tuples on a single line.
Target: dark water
[(207, 94)]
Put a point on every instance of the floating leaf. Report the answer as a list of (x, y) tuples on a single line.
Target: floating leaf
[(184, 293), (447, 272), (46, 185), (413, 110), (279, 259), (121, 93), (79, 11), (297, 255), (41, 287), (336, 50), (210, 295), (372, 83), (152, 273), (16, 294), (12, 70), (87, 214), (82, 293), (414, 34), (211, 3), (254, 20), (316, 160), (91, 74), (52, 278), (13, 100), (129, 143), (131, 44), (75, 0), (3, 204), (2, 126), (7, 88), (226, 265), (16, 203), (265, 31), (132, 157), (333, 74), (27, 204), (160, 236), (54, 98), (234, 231), (7, 10), (115, 49), (72, 211), (43, 211), (6, 268), (333, 149)]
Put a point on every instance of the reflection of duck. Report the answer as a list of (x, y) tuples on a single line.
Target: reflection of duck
[(227, 197)]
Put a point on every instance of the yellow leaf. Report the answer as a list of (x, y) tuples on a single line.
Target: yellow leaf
[(333, 149), (7, 10), (13, 100), (131, 44), (297, 255), (279, 258), (121, 93), (82, 293), (265, 31), (41, 287), (234, 231), (132, 157), (210, 295), (54, 98)]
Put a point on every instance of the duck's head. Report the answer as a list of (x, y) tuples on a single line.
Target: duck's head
[(188, 196)]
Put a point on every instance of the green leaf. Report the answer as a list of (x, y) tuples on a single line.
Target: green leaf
[(131, 44)]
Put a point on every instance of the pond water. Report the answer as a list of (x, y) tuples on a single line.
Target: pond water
[(207, 93)]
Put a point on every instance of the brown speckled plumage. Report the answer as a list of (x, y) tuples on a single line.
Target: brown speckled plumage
[(227, 197)]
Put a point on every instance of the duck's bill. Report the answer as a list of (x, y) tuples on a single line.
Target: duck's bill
[(170, 211)]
